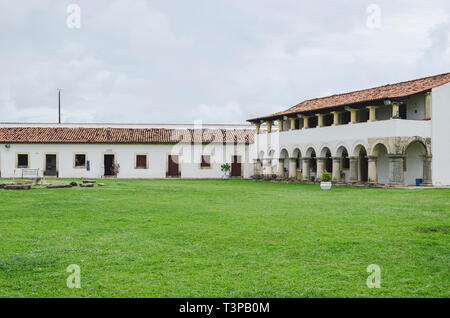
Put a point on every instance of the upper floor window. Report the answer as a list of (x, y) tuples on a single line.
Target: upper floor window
[(205, 161)]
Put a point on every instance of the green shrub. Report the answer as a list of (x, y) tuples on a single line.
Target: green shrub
[(326, 176), (225, 167)]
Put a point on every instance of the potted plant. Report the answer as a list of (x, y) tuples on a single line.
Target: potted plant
[(225, 168), (325, 184)]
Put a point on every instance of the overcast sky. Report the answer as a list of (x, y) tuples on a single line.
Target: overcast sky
[(221, 61)]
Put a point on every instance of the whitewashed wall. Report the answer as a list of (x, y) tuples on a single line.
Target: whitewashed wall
[(125, 156), (440, 134), (349, 136)]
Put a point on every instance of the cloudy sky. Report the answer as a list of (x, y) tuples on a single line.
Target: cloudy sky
[(221, 61)]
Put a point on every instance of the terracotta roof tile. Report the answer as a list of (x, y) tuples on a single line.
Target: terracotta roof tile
[(397, 90), (123, 135)]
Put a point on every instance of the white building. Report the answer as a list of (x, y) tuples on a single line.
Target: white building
[(136, 151), (393, 134)]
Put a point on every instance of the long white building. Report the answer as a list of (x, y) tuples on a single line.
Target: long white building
[(396, 134), (124, 151)]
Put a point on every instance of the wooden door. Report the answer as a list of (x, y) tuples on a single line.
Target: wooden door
[(50, 165), (173, 166), (236, 166), (108, 161)]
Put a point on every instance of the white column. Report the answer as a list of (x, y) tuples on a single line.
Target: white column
[(305, 168), (292, 168), (336, 176), (372, 176), (320, 167), (353, 169), (281, 168)]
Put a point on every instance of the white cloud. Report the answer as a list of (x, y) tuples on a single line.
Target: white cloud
[(219, 61)]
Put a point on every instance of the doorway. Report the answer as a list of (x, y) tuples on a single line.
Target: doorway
[(364, 165), (50, 165), (402, 111), (236, 166), (173, 166), (108, 161)]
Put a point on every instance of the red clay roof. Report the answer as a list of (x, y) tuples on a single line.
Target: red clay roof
[(397, 90), (123, 135)]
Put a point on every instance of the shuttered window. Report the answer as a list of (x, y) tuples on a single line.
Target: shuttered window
[(141, 161)]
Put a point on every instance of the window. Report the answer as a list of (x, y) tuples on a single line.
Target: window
[(206, 161), (141, 162), (22, 160), (80, 160)]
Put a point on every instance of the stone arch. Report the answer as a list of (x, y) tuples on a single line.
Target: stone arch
[(340, 150), (324, 150), (310, 150), (296, 153), (283, 163), (297, 156), (377, 146), (419, 141), (357, 148), (284, 153), (325, 161), (380, 151), (360, 151), (416, 161), (344, 163), (311, 168)]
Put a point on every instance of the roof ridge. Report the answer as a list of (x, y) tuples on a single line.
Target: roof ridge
[(375, 87), (391, 90)]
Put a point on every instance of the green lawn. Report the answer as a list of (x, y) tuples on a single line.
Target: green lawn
[(224, 238)]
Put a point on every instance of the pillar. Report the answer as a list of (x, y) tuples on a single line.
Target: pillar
[(257, 168), (396, 173), (335, 118), (269, 127), (292, 168), (336, 174), (280, 172), (292, 120), (320, 167), (268, 167), (353, 169), (427, 171), (395, 110), (305, 169), (427, 105), (258, 126), (372, 167), (372, 113), (280, 124), (353, 119), (306, 122), (319, 120)]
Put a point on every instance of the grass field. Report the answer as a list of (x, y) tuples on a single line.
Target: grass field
[(224, 238)]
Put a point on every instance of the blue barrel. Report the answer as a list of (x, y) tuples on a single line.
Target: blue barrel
[(418, 182)]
